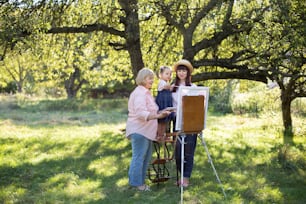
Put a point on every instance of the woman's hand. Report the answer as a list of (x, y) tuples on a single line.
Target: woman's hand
[(163, 114), (159, 115)]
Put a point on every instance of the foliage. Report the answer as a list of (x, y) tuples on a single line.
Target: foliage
[(255, 99), (220, 95), (253, 40), (81, 156), (32, 104), (246, 97), (281, 51), (8, 88)]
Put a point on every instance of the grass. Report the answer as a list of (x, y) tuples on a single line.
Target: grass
[(75, 152)]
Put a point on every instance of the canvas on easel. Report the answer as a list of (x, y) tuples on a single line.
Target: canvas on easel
[(191, 109)]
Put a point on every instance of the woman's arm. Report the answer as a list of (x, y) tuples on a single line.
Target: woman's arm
[(158, 115)]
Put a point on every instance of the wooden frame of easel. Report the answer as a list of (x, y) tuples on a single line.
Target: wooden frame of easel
[(191, 117), (191, 112), (192, 123)]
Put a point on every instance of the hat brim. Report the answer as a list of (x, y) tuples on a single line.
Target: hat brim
[(185, 63)]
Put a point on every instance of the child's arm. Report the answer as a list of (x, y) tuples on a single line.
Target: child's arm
[(167, 86), (172, 87), (163, 85)]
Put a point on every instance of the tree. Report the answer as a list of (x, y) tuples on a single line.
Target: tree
[(20, 66), (282, 55), (228, 46), (51, 18), (219, 37)]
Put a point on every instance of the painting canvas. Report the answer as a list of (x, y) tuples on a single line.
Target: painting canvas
[(191, 109)]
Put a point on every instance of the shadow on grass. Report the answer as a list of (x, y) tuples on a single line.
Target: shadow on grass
[(250, 174), (95, 171), (89, 169), (52, 179)]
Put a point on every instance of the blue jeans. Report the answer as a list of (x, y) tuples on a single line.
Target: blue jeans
[(189, 149), (141, 158)]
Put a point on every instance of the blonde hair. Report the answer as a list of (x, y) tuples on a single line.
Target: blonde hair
[(142, 75)]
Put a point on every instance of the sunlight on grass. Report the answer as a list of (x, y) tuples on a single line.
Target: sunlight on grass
[(105, 166), (122, 182), (256, 187), (65, 156), (269, 193), (12, 192), (73, 187)]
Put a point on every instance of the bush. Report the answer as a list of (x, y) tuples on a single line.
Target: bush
[(299, 106), (11, 88), (246, 103), (255, 99), (219, 95)]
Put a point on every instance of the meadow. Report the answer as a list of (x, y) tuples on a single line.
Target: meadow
[(75, 151)]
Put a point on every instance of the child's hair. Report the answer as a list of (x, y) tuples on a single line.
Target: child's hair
[(162, 69)]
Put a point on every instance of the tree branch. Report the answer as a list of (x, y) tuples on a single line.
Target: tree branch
[(241, 74), (87, 29)]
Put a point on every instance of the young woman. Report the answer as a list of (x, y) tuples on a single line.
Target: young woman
[(141, 127), (183, 70)]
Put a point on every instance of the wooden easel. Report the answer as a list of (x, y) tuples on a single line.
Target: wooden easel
[(193, 119), (192, 123), (193, 114)]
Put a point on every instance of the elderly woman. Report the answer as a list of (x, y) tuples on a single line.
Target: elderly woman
[(141, 127)]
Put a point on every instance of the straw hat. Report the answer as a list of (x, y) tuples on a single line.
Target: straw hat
[(185, 63)]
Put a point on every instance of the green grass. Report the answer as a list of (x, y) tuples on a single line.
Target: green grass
[(75, 152)]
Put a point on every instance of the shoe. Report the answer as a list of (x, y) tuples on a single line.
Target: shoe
[(143, 188), (184, 184), (177, 183)]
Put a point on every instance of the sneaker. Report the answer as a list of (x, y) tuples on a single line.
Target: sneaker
[(143, 188)]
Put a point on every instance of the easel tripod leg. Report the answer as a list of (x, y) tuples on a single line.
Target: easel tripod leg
[(180, 182), (211, 163)]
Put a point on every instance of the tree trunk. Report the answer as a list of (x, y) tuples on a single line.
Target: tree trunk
[(136, 58), (132, 34), (286, 114), (71, 93), (71, 85), (19, 86)]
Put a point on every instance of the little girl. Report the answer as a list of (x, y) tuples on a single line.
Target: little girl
[(164, 99)]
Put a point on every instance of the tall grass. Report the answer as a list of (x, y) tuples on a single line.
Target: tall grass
[(74, 151)]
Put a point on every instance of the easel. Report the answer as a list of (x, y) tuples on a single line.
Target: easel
[(193, 122), (159, 172)]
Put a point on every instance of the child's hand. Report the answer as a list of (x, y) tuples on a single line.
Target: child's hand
[(167, 86), (172, 86)]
